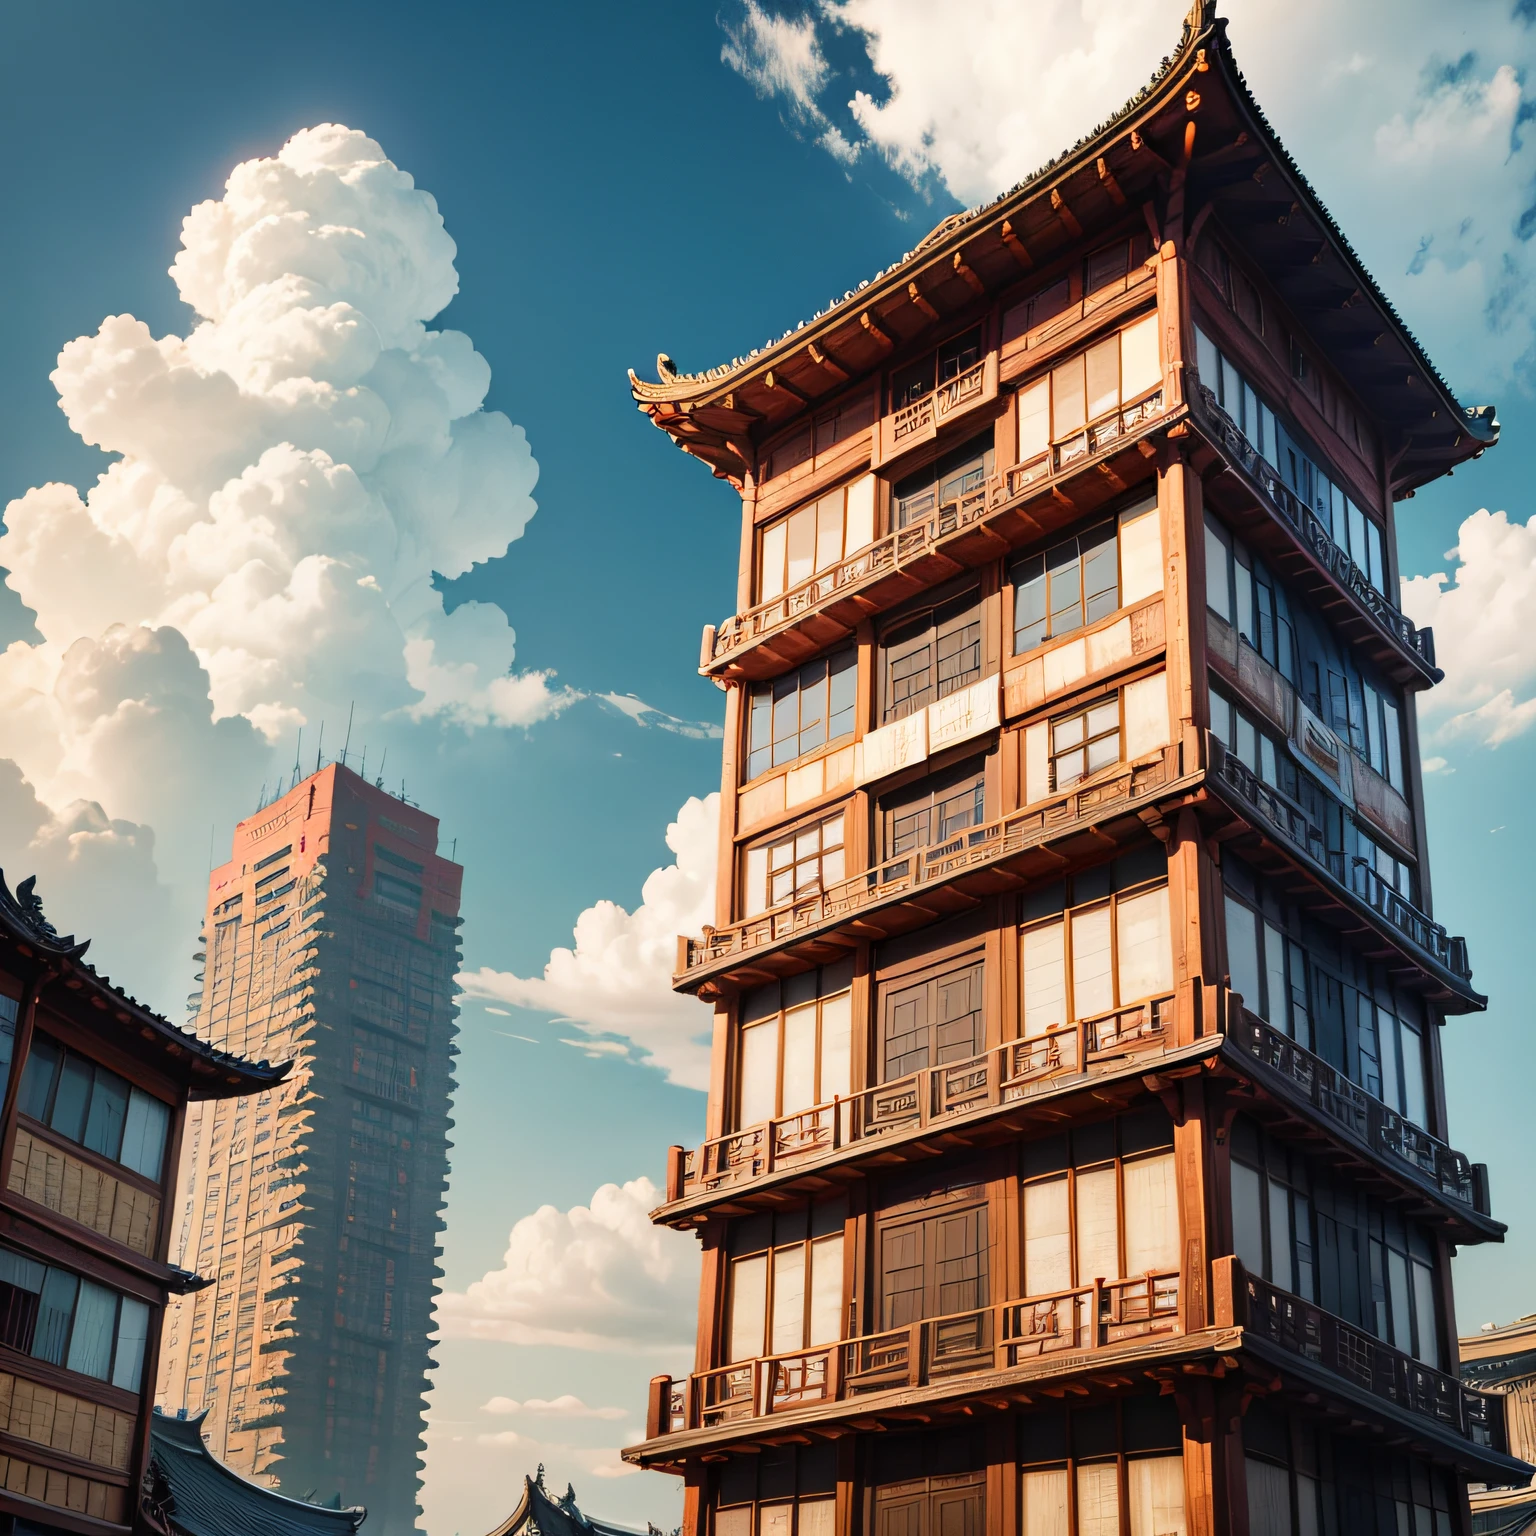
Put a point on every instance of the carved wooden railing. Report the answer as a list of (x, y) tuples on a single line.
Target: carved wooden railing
[(1364, 1117), (1101, 433), (1004, 1075), (906, 545), (993, 1338), (1283, 816), (1301, 1328), (1291, 509), (884, 557), (922, 867), (934, 409)]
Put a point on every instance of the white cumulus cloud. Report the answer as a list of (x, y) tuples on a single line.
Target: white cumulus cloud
[(1484, 640), (566, 1406), (616, 979), (595, 1277)]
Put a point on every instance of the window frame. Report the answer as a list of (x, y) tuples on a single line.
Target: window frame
[(835, 665), (866, 527), (970, 773), (790, 838), (840, 991), (831, 1241), (965, 349), (926, 630)]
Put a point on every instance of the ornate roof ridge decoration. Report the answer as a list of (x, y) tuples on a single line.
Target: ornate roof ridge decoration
[(23, 920), (1204, 33), (542, 1513), (188, 1491)]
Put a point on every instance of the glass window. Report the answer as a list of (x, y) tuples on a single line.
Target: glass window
[(95, 1107), (801, 711), (1076, 582), (948, 478), (8, 1011), (930, 656), (814, 538), (794, 865), (1085, 742), (56, 1316), (796, 1045), (932, 1020), (1120, 953), (934, 810), (786, 1281)]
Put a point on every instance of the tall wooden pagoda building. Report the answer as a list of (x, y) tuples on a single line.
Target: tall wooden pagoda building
[(1077, 1160)]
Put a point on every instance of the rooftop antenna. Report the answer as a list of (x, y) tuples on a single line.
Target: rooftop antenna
[(455, 854), (348, 742), (261, 799), (378, 783), (298, 747), (321, 746), (363, 766)]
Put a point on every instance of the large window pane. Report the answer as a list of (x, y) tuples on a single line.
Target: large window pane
[(144, 1134), (758, 1094), (108, 1111), (1145, 952), (749, 1302), (788, 1299), (1269, 1499), (39, 1075), (799, 1059), (1248, 1217), (90, 1341), (1243, 952), (1092, 973), (1047, 1238), (55, 1309), (1098, 1227), (1098, 1500), (1413, 1074), (1045, 978), (7, 1038), (1156, 1485), (1151, 1215), (836, 1047), (826, 1316), (1045, 1503), (132, 1337)]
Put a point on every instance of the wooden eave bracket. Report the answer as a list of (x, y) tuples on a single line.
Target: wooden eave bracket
[(916, 295), (824, 359), (1108, 182), (872, 325), (775, 380), (1016, 247), (970, 279), (1064, 213)]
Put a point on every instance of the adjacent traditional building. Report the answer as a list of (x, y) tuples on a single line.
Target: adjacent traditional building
[(1502, 1359), (330, 936), (96, 1088), (1077, 1158)]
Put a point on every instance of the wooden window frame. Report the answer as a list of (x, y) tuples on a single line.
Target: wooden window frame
[(885, 809), (928, 630), (970, 343), (1048, 580), (1067, 916), (972, 958), (778, 1018), (765, 534), (789, 839), (834, 664), (807, 1244)]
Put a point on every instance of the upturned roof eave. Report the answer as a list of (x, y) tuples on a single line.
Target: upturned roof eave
[(1203, 31)]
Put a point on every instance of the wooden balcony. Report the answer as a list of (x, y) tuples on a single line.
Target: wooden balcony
[(1012, 508), (927, 883), (1305, 1332), (1349, 893), (935, 1098), (1306, 554), (1408, 1155), (911, 426), (996, 1338)]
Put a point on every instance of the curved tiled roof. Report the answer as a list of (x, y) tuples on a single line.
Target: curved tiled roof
[(23, 920), (542, 1513), (192, 1493), (1203, 32)]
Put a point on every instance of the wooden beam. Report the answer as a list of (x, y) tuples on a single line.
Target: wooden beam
[(871, 325), (776, 381), (1065, 214), (1015, 245), (1142, 147), (1110, 185), (963, 271), (825, 360), (916, 295)]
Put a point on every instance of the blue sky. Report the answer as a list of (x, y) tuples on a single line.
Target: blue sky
[(620, 180)]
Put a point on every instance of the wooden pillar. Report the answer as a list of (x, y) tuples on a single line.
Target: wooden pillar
[(694, 1507), (1002, 1477), (1192, 1147), (845, 1509), (714, 1279), (716, 1113), (725, 877), (21, 1047)]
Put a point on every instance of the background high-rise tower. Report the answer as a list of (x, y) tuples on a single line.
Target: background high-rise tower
[(330, 936)]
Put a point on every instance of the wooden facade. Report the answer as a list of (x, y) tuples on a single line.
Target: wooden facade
[(96, 1090), (1076, 1157), (331, 934)]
